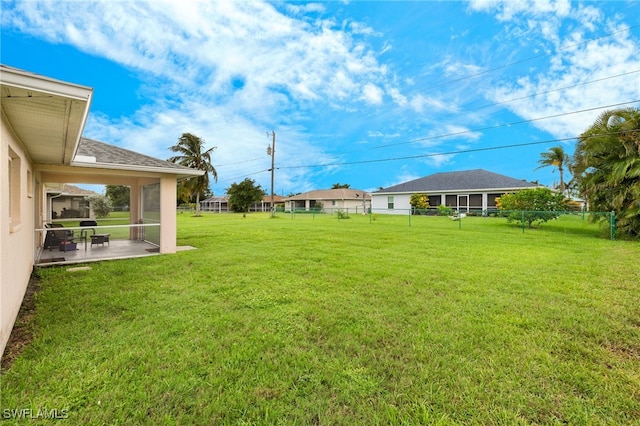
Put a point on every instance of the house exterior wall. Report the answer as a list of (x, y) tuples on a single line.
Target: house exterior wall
[(328, 206), (380, 203), (461, 200), (17, 240), (351, 206)]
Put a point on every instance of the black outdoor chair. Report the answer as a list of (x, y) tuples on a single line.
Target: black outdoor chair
[(84, 234), (57, 237)]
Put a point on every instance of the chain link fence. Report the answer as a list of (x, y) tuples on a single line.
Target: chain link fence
[(523, 219)]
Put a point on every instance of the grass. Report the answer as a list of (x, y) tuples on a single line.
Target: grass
[(314, 320), (113, 219)]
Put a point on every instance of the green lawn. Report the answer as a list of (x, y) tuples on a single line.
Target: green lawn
[(314, 320)]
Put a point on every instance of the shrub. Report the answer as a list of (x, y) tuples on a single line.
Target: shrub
[(444, 210), (532, 205), (419, 203), (101, 205)]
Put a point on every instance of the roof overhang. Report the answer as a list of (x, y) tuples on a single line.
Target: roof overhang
[(47, 115), (179, 173)]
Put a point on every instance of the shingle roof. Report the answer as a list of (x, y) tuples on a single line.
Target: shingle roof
[(114, 156), (68, 189), (463, 180), (331, 194)]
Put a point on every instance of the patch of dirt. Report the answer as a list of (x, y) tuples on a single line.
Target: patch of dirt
[(22, 333)]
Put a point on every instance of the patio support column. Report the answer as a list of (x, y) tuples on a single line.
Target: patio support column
[(168, 227), (134, 209)]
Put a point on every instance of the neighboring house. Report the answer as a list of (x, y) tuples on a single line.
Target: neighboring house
[(265, 204), (70, 202), (470, 190), (220, 204), (41, 127), (330, 200)]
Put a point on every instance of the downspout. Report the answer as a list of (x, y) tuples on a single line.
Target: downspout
[(50, 206)]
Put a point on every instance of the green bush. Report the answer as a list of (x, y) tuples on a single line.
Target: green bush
[(444, 210), (532, 205), (101, 205), (342, 214)]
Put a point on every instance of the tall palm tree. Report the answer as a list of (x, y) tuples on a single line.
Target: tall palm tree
[(190, 154), (607, 167), (555, 157)]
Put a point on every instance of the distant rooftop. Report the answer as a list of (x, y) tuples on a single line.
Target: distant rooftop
[(464, 180)]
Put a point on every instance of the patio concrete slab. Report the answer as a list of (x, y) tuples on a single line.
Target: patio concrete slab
[(115, 249)]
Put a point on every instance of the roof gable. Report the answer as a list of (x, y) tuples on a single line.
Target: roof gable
[(464, 180)]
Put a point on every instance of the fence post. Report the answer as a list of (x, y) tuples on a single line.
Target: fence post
[(613, 225)]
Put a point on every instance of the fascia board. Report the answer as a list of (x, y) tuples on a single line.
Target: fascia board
[(127, 167), (42, 84)]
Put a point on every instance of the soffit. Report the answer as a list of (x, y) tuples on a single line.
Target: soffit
[(47, 115)]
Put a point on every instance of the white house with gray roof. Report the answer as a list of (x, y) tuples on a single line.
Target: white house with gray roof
[(469, 190)]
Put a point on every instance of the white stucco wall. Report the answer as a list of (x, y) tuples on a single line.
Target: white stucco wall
[(379, 204), (17, 238)]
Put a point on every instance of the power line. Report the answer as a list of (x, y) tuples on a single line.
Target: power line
[(514, 123), (451, 152), (444, 83), (464, 151), (497, 126), (239, 162), (553, 90)]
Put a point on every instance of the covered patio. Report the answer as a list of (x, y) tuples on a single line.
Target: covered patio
[(41, 126), (118, 249), (149, 227)]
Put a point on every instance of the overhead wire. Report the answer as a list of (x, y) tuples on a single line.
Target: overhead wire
[(462, 151), (478, 108), (346, 163), (542, 55)]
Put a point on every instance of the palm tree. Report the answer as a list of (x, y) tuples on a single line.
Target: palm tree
[(607, 167), (190, 148), (558, 158)]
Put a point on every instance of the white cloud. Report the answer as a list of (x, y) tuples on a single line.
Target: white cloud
[(372, 94), (506, 10), (572, 65), (420, 103), (191, 52), (577, 56)]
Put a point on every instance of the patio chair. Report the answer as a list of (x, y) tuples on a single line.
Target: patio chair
[(84, 234), (57, 237)]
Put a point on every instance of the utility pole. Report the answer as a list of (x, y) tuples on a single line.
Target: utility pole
[(271, 150)]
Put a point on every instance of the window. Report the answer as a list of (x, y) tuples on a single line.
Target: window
[(14, 188), (29, 184), (390, 202)]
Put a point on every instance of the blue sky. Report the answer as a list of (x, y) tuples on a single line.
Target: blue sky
[(369, 94)]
